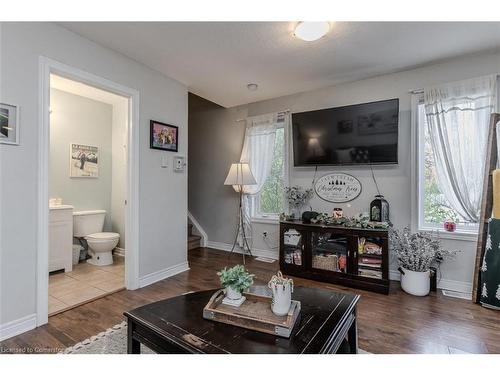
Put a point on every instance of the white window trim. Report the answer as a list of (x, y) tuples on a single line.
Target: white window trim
[(417, 186), (256, 215), (266, 219)]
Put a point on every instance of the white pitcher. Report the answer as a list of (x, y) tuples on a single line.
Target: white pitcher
[(282, 289)]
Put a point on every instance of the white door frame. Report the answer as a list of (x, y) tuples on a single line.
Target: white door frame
[(46, 67)]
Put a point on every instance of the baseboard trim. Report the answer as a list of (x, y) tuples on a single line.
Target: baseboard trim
[(162, 274), (456, 286), (256, 252), (18, 326), (119, 251)]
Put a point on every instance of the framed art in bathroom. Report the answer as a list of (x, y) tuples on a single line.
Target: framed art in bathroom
[(9, 124), (83, 161), (163, 137)]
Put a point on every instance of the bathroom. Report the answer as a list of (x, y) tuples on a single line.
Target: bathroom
[(87, 190)]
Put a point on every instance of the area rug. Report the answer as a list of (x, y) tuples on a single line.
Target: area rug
[(111, 341)]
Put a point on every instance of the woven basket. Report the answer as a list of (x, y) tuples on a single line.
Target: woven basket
[(329, 262)]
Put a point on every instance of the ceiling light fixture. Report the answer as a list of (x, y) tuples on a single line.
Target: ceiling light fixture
[(310, 31), (252, 86)]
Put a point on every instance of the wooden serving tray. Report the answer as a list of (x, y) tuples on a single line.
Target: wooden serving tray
[(255, 314)]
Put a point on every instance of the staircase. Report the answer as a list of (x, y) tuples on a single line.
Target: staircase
[(194, 241)]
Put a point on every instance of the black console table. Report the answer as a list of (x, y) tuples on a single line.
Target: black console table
[(353, 257), (176, 325)]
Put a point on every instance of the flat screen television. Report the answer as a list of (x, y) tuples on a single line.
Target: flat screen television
[(351, 135)]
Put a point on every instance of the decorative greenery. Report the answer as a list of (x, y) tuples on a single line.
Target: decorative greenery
[(361, 221), (298, 196), (280, 280), (236, 278), (418, 251)]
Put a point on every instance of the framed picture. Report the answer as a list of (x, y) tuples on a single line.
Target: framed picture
[(83, 161), (9, 124), (164, 136)]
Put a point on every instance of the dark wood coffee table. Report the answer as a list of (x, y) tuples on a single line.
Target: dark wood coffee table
[(176, 325)]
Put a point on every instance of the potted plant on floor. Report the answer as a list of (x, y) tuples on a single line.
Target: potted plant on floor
[(236, 280), (416, 253)]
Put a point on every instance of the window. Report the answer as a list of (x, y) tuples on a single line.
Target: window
[(269, 203), (434, 207)]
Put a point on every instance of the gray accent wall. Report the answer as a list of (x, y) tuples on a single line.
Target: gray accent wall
[(76, 119), (216, 139)]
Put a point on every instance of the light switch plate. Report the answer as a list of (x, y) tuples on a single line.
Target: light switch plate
[(164, 161)]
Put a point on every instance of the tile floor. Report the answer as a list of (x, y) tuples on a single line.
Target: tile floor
[(85, 283)]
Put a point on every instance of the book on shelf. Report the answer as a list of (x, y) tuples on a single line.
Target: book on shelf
[(370, 273)]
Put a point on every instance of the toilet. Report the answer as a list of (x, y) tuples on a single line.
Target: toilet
[(88, 225)]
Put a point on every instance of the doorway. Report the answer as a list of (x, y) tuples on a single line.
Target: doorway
[(85, 164)]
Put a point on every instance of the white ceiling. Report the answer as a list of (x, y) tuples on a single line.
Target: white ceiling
[(216, 60)]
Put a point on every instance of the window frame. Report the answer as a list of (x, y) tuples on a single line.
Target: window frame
[(271, 218), (417, 184)]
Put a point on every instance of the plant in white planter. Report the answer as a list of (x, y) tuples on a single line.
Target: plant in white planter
[(416, 253), (236, 280)]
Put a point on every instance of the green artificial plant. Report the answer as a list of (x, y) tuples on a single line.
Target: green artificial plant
[(236, 278)]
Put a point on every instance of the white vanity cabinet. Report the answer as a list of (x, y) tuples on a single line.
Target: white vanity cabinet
[(60, 238)]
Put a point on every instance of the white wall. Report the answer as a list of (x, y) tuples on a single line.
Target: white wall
[(75, 119), (162, 193), (119, 168), (394, 181)]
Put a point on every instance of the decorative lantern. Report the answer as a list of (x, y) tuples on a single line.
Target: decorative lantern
[(379, 209)]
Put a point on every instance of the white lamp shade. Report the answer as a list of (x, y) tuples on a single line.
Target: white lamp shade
[(240, 174)]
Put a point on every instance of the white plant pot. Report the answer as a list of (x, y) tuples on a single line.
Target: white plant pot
[(416, 283), (232, 293)]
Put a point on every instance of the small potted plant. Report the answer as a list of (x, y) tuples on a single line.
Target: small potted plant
[(236, 280), (416, 253)]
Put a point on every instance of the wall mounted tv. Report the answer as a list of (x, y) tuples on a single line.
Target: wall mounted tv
[(352, 135)]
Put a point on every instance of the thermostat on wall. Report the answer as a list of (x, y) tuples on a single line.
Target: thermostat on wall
[(179, 163)]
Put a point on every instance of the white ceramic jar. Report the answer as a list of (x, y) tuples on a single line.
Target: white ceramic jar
[(282, 289)]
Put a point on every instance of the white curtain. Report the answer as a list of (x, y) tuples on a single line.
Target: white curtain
[(458, 116), (258, 152)]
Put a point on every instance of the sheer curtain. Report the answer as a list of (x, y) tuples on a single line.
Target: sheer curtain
[(457, 122), (258, 152)]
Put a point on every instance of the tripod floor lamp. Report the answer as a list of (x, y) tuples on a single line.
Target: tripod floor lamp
[(239, 176)]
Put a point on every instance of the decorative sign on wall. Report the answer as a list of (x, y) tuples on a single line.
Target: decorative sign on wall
[(83, 161), (338, 187)]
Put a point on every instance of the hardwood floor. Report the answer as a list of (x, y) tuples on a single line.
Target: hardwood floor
[(397, 323)]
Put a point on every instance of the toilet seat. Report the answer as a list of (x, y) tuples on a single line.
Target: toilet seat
[(103, 236)]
